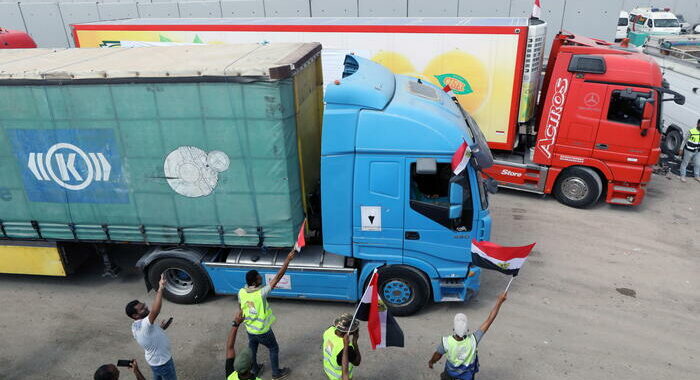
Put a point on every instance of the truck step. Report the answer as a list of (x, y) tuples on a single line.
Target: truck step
[(452, 283), (625, 189), (452, 289), (620, 201)]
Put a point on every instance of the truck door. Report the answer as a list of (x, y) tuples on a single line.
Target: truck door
[(429, 231), (581, 118), (620, 135), (378, 216)]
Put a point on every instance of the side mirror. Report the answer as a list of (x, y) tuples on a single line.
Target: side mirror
[(455, 211), (491, 185), (648, 110), (679, 99), (456, 194), (456, 199), (647, 113)]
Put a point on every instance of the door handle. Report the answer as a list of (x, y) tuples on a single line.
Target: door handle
[(412, 235), (601, 146)]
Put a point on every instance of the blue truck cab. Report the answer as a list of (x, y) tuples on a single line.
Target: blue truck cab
[(389, 199)]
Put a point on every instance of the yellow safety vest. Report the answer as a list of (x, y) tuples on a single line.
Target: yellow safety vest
[(332, 345), (693, 143), (257, 313), (234, 376), (459, 352)]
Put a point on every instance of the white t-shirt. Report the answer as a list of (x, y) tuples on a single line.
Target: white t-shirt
[(153, 340)]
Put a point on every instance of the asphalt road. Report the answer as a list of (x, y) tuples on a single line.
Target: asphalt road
[(608, 293)]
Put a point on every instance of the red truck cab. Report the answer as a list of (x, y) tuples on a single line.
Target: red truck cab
[(596, 131), (15, 39)]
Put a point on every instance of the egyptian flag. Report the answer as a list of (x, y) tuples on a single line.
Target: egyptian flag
[(506, 260), (460, 158), (383, 329), (536, 9), (301, 242)]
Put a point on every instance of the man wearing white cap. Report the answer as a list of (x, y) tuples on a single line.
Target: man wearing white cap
[(462, 359)]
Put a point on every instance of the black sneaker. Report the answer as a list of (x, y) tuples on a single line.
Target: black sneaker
[(284, 373)]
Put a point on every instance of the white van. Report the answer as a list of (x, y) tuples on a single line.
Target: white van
[(654, 21), (677, 56), (622, 24)]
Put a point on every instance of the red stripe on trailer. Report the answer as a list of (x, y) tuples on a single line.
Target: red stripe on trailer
[(448, 29), (74, 31)]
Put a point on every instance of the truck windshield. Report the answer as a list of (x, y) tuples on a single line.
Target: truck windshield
[(666, 23), (622, 21)]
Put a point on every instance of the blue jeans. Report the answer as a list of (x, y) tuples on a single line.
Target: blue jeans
[(268, 340), (165, 371), (687, 158)]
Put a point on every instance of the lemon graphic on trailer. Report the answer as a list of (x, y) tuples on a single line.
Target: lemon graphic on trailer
[(395, 62), (466, 75)]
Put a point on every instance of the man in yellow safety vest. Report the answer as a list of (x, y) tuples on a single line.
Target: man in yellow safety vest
[(340, 356), (691, 153), (462, 359), (258, 317)]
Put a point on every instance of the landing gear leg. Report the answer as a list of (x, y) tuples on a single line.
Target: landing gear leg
[(109, 268)]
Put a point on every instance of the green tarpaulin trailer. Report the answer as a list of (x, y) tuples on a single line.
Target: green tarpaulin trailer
[(205, 145)]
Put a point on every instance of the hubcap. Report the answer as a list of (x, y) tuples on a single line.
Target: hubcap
[(397, 292), (574, 188), (178, 282)]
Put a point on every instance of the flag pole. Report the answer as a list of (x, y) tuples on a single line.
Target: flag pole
[(509, 282), (359, 303)]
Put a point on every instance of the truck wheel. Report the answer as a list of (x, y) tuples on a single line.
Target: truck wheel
[(185, 282), (578, 187), (403, 289), (672, 142)]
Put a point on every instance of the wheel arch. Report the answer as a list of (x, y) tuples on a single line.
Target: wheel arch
[(674, 126), (426, 271), (369, 268), (597, 166), (191, 254)]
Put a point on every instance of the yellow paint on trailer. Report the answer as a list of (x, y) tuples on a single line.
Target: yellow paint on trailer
[(308, 103), (43, 260)]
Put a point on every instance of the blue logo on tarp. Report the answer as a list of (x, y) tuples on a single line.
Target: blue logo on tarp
[(73, 166)]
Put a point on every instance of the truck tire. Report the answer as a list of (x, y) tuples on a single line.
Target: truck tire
[(672, 142), (403, 289), (578, 187), (185, 282)]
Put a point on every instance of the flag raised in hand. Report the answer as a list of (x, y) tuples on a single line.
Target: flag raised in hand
[(508, 260), (301, 242)]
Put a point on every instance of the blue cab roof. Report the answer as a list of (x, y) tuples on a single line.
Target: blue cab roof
[(399, 114)]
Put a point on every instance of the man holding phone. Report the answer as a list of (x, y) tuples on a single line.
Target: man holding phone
[(151, 337), (111, 372)]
